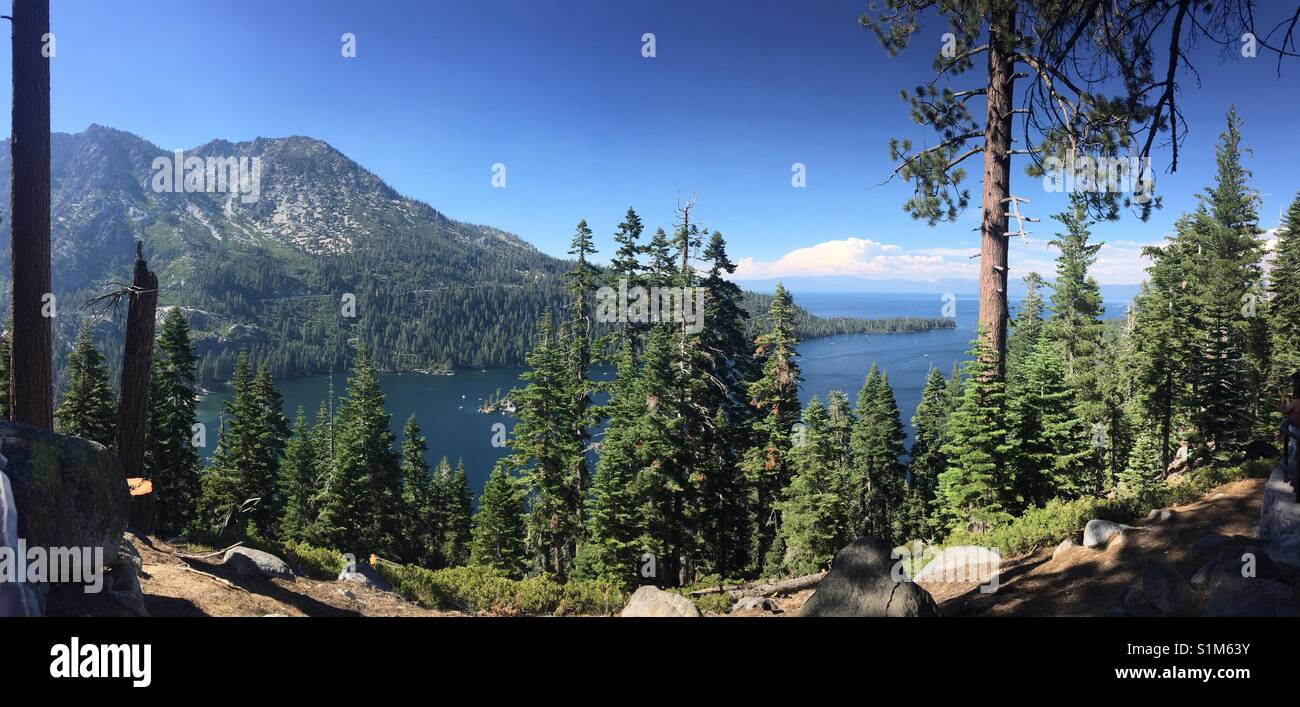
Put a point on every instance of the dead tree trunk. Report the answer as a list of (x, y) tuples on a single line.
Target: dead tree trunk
[(30, 384), (997, 180), (133, 401)]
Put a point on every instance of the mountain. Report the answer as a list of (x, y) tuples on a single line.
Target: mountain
[(271, 274)]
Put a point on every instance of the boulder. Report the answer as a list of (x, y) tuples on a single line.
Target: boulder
[(69, 492), (1160, 515), (1231, 561), (1099, 533), (1280, 514), (1136, 603), (1285, 550), (651, 601), (16, 599), (366, 576), (1065, 546), (962, 564), (753, 604), (862, 582), (1250, 597), (247, 562), (347, 594), (1166, 589), (1209, 544), (1261, 449)]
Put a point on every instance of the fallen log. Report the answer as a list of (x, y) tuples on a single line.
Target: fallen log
[(765, 589)]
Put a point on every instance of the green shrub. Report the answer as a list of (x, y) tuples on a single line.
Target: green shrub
[(482, 589), (315, 562)]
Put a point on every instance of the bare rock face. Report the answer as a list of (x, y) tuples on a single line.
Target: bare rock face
[(247, 562), (862, 582), (651, 601), (1099, 533)]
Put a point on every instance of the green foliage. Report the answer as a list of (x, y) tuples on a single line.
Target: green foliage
[(498, 532), (928, 460), (976, 490), (814, 513), (315, 562), (877, 478), (171, 459), (458, 509), (88, 409), (489, 590), (299, 481), (1284, 304)]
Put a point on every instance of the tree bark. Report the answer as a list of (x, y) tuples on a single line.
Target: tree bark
[(30, 382), (997, 180), (133, 401)]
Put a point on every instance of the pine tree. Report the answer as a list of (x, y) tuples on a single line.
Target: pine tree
[(814, 519), (499, 526), (421, 537), (615, 527), (87, 409), (170, 456), (878, 476), (927, 458), (1284, 294), (1051, 456), (361, 509), (459, 508), (4, 373), (625, 270), (548, 455), (775, 397), (299, 480), (1026, 329), (976, 490), (272, 432)]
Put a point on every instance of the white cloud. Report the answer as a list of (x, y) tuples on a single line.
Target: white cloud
[(1118, 262)]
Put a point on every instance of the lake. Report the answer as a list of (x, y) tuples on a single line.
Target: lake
[(446, 407)]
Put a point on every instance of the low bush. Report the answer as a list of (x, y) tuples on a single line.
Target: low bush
[(314, 562), (481, 589)]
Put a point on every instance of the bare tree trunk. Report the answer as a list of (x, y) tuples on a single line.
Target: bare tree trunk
[(997, 180), (133, 401), (31, 386)]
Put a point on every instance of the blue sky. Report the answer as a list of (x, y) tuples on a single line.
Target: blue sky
[(586, 126)]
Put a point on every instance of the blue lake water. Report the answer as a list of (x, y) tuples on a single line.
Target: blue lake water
[(446, 406)]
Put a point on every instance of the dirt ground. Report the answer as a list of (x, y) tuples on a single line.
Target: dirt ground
[(176, 586), (1087, 582)]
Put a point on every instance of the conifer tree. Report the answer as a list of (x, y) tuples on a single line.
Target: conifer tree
[(170, 455), (299, 480), (361, 509), (976, 490), (615, 527), (421, 537), (1284, 302), (499, 526), (878, 475), (4, 374), (1026, 329), (1051, 456), (775, 398), (87, 409), (927, 458), (814, 521), (459, 508), (625, 270)]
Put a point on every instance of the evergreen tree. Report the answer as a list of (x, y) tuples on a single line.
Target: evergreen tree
[(499, 526), (170, 455), (928, 460), (1051, 456), (4, 373), (87, 410), (814, 521), (615, 527), (976, 490), (1284, 304), (298, 480), (878, 476), (421, 537), (775, 397), (272, 431), (361, 509), (1026, 329), (459, 508)]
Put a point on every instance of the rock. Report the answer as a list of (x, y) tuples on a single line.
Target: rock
[(651, 601), (1065, 545), (247, 562), (347, 594), (1136, 603), (1209, 544), (16, 598), (275, 616), (1160, 515), (1166, 589), (1098, 533), (366, 576), (962, 564), (68, 491), (1280, 514), (862, 582), (1231, 561), (754, 604), (1250, 597), (1285, 550)]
